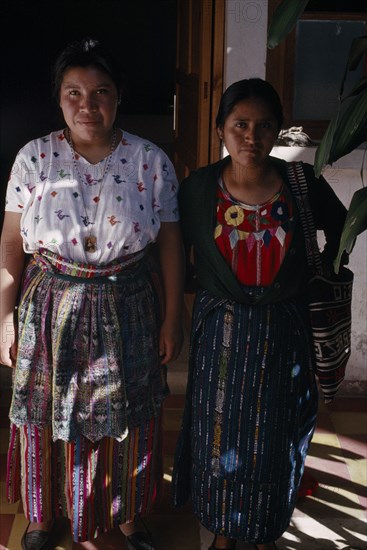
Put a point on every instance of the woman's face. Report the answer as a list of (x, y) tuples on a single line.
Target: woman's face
[(249, 132), (88, 99)]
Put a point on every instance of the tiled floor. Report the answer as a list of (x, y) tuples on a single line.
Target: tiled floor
[(334, 518)]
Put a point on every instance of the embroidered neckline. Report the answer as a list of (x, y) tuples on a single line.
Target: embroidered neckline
[(254, 207)]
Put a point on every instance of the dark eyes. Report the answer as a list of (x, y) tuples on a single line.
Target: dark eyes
[(266, 124), (100, 91)]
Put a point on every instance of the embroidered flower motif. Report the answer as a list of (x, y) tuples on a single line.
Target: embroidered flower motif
[(89, 180), (86, 221), (279, 211), (113, 220), (218, 231), (267, 238), (280, 235), (140, 186), (62, 173), (30, 187), (60, 214), (234, 215), (233, 238)]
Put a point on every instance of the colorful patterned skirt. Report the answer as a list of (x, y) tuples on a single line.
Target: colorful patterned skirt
[(249, 418), (88, 389)]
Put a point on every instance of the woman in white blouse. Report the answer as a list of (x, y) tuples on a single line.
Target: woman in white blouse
[(92, 263)]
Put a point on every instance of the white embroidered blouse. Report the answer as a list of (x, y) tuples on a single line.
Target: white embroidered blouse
[(59, 211)]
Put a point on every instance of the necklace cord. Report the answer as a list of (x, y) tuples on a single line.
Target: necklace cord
[(90, 242)]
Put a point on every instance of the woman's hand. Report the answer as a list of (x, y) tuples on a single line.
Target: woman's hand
[(11, 269), (8, 344), (170, 341), (171, 257)]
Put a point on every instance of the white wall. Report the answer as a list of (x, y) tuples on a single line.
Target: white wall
[(245, 39), (245, 46)]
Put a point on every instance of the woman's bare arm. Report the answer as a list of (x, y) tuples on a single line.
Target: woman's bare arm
[(171, 258), (11, 269)]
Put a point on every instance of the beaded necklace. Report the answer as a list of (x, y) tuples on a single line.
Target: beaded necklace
[(90, 241)]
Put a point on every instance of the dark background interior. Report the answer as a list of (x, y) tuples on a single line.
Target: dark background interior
[(142, 34)]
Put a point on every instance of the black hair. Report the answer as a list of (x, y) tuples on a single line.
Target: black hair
[(82, 54), (250, 88)]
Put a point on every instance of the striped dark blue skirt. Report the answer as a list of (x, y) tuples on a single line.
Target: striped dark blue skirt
[(249, 417)]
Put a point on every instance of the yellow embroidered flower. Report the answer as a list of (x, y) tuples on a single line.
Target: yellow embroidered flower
[(218, 231), (243, 235), (234, 215)]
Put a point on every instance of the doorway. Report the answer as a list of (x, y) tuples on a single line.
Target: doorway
[(142, 34), (147, 37)]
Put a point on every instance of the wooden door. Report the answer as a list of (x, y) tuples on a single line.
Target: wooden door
[(199, 80), (199, 86)]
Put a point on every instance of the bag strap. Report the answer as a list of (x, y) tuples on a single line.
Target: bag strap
[(298, 183)]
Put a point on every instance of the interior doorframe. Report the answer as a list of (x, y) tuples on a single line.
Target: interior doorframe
[(206, 77), (217, 75)]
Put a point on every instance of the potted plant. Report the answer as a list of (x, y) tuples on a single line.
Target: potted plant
[(347, 129)]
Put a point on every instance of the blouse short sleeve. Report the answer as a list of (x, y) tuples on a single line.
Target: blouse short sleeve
[(165, 188), (19, 188)]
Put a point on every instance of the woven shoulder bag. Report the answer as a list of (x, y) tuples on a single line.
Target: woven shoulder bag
[(329, 298)]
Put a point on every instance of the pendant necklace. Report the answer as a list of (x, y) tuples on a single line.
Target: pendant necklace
[(90, 241)]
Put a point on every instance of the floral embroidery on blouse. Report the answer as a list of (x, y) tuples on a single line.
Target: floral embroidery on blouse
[(253, 239), (59, 211)]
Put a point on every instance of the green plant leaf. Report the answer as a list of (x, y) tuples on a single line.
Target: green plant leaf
[(357, 49), (355, 224), (323, 150), (357, 88), (351, 129), (284, 20)]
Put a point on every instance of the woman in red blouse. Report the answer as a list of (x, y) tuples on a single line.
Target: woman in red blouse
[(252, 396)]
